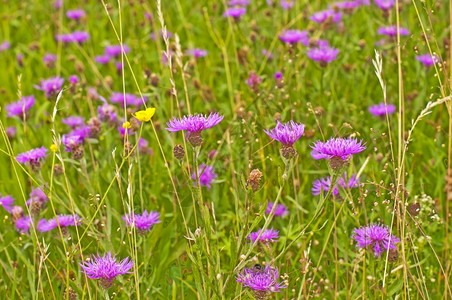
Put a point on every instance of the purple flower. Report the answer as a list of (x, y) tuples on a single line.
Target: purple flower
[(235, 12), (294, 36), (51, 86), (74, 37), (102, 59), (337, 147), (7, 202), (107, 113), (286, 134), (106, 268), (269, 235), (239, 2), (34, 157), (347, 5), (196, 52), (144, 221), (287, 4), (194, 123), (75, 14), (278, 76), (74, 121), (57, 4), (37, 195), (280, 210), (324, 55), (73, 79), (392, 30), (206, 175), (143, 146), (71, 142), (325, 15), (49, 58), (427, 59), (4, 46), (23, 224), (253, 81), (376, 236), (115, 50), (131, 99), (261, 280), (325, 184), (168, 34), (385, 4), (20, 107), (11, 131), (267, 53), (381, 109), (63, 220)]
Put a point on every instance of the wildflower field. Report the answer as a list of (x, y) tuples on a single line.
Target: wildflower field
[(235, 149)]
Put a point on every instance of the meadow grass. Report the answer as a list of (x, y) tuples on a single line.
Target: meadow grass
[(200, 245)]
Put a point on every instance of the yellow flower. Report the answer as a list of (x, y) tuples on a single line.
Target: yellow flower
[(53, 148), (126, 125), (145, 115)]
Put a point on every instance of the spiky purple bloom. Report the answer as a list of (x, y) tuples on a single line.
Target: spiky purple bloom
[(381, 109), (57, 4), (73, 37), (11, 131), (115, 50), (261, 280), (337, 147), (269, 235), (235, 12), (253, 81), (4, 46), (280, 210), (347, 5), (131, 99), (286, 134), (278, 76), (7, 203), (392, 30), (102, 59), (51, 86), (107, 113), (287, 4), (376, 236), (239, 2), (71, 142), (143, 146), (20, 107), (63, 220), (325, 184), (329, 14), (75, 14), (49, 58), (73, 79), (196, 52), (194, 123), (324, 55), (38, 195), (206, 175), (295, 36), (385, 4), (106, 268), (144, 221), (427, 59), (33, 157), (23, 224), (74, 121)]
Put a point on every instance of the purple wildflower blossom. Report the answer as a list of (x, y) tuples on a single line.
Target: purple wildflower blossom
[(63, 220), (253, 81), (347, 5), (143, 146), (106, 113), (196, 52), (4, 46), (74, 37), (267, 53), (73, 79), (102, 59), (337, 147), (144, 221), (239, 2), (294, 36), (74, 121), (269, 235), (51, 86), (206, 175), (324, 55), (325, 184), (392, 30), (131, 99), (261, 280), (287, 4), (235, 12), (49, 58), (286, 134), (385, 4), (7, 203), (71, 142), (57, 4), (106, 268), (381, 109), (75, 14), (280, 210), (38, 195), (11, 131), (194, 123), (23, 224), (427, 59), (278, 76), (32, 157), (376, 236), (20, 107), (115, 50), (324, 15), (168, 35)]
